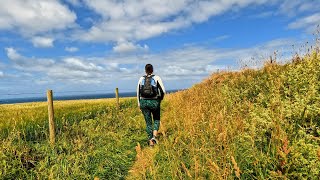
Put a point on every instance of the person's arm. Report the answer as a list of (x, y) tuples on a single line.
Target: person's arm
[(138, 92), (161, 87)]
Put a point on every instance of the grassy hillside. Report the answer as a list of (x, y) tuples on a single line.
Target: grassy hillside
[(93, 139), (250, 125), (253, 124), (32, 118)]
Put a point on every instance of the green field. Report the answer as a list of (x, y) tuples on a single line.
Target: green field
[(93, 139), (251, 124)]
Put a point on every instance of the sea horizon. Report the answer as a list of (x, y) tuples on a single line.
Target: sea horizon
[(69, 97)]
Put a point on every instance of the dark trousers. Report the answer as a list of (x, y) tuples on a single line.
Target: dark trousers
[(151, 108)]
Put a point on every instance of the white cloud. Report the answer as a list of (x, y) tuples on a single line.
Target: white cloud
[(132, 20), (32, 17), (295, 7), (124, 47), (305, 14), (190, 63), (42, 42), (71, 49), (12, 53), (28, 64), (126, 22), (1, 74), (195, 62), (74, 63), (309, 22), (68, 69)]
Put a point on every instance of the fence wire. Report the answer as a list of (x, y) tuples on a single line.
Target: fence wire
[(105, 91)]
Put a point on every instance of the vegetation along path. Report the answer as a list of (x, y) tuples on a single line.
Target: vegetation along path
[(251, 124), (94, 140)]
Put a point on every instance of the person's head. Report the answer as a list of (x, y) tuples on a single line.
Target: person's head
[(149, 69)]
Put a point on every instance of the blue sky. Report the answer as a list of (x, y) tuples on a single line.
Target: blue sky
[(94, 46)]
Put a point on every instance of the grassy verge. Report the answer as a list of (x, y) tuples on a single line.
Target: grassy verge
[(253, 124), (93, 140)]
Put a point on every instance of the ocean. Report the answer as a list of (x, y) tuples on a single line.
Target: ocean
[(70, 97), (66, 97)]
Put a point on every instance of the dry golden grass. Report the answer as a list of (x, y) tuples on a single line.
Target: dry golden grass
[(143, 163), (251, 124)]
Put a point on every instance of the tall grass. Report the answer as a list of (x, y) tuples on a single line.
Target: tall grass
[(253, 124), (32, 118), (94, 140)]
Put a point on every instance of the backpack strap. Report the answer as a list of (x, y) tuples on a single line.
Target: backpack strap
[(145, 77), (150, 76)]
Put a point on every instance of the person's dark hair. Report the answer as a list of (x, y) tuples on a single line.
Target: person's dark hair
[(149, 69)]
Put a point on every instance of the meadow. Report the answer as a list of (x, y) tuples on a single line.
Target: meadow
[(93, 140), (250, 124)]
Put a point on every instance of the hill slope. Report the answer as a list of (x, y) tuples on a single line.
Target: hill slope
[(249, 124), (93, 140)]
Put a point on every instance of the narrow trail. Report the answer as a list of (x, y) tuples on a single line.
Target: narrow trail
[(143, 163)]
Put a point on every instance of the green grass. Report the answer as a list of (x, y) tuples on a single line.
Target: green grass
[(252, 124), (93, 139)]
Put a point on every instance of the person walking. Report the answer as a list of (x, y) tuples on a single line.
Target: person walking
[(150, 92)]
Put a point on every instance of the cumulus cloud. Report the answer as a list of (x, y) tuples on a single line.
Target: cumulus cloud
[(124, 47), (13, 54), (196, 62), (124, 23), (131, 20), (28, 64), (188, 63), (42, 42), (74, 63), (71, 69), (32, 17), (71, 49)]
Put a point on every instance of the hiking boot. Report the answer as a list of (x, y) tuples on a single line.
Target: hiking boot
[(154, 140), (151, 143)]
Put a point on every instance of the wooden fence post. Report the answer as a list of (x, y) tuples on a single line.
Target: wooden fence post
[(51, 117), (117, 98)]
